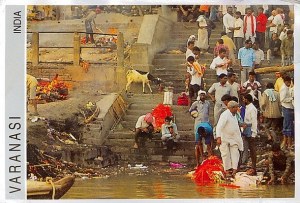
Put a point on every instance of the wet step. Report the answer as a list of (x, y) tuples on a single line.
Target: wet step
[(185, 135), (149, 150), (157, 158), (156, 142)]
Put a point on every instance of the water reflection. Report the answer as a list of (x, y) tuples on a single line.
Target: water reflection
[(166, 186)]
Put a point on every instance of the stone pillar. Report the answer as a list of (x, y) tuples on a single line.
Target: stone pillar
[(76, 54), (120, 70), (120, 50), (35, 48)]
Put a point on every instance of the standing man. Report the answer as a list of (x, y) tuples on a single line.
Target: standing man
[(261, 26), (231, 46), (202, 42), (259, 57), (203, 136), (229, 138), (250, 25), (202, 107), (90, 24), (235, 87), (31, 92), (271, 111), (219, 89), (252, 87), (286, 100), (287, 49), (250, 132), (274, 47), (189, 49), (271, 27), (189, 52), (279, 80), (246, 57), (228, 22), (143, 128), (194, 69), (220, 63), (238, 33)]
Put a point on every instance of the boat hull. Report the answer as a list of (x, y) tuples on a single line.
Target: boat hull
[(44, 190)]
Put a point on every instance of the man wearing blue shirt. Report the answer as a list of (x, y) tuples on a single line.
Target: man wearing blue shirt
[(203, 132), (246, 57)]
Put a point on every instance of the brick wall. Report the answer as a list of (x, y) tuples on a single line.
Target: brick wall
[(49, 71)]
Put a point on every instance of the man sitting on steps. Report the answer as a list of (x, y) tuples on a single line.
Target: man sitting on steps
[(143, 128)]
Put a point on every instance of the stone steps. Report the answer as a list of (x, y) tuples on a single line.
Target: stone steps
[(179, 62), (128, 134), (184, 127), (170, 68), (177, 56)]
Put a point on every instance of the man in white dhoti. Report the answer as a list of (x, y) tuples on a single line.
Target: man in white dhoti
[(229, 138), (202, 42)]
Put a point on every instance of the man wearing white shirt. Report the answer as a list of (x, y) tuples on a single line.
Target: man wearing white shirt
[(238, 33), (144, 128), (228, 22), (286, 100), (229, 138), (277, 22), (189, 49), (196, 79), (220, 63), (272, 27), (250, 25), (250, 132)]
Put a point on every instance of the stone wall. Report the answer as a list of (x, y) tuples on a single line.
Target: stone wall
[(49, 71), (153, 37), (103, 75)]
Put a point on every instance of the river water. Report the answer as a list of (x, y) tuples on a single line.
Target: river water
[(166, 186)]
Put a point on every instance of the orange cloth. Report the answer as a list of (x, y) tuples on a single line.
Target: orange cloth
[(204, 8), (199, 68)]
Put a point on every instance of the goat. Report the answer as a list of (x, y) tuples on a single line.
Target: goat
[(140, 77)]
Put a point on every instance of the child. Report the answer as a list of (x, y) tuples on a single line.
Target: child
[(196, 71), (169, 131)]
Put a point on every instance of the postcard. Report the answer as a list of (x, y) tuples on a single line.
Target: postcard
[(142, 101)]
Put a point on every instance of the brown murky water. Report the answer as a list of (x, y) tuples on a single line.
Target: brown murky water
[(151, 186)]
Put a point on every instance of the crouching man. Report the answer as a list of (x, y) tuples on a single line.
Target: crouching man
[(169, 132), (281, 161), (203, 134), (144, 127)]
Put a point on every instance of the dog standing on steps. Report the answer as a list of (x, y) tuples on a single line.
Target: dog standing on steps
[(141, 77)]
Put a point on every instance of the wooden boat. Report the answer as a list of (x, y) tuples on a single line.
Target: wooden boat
[(49, 189)]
